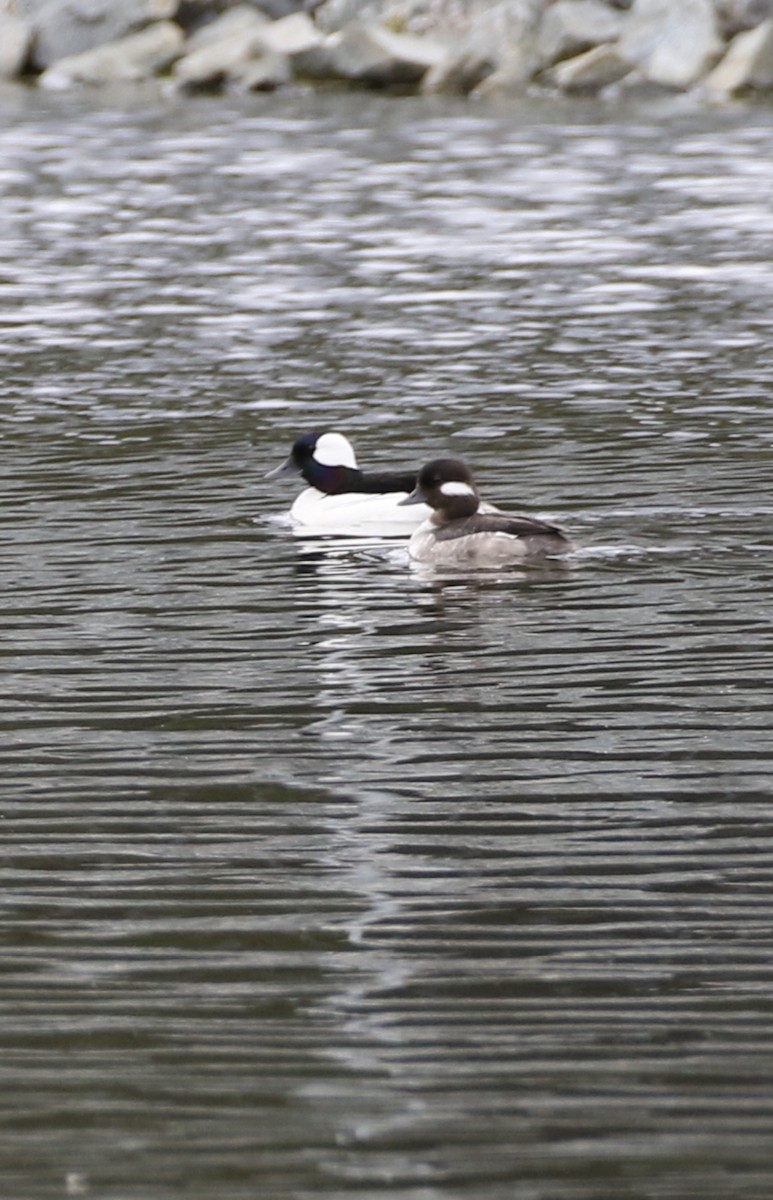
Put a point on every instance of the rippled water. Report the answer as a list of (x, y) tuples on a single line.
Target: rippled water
[(322, 877)]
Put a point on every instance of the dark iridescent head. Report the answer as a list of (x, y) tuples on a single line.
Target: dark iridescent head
[(303, 449), (325, 460)]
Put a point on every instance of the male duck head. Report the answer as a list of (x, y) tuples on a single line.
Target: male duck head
[(325, 460)]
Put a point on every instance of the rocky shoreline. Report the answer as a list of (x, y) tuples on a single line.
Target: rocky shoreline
[(716, 49)]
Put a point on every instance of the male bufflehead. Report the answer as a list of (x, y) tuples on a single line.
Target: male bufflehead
[(340, 495), (459, 532)]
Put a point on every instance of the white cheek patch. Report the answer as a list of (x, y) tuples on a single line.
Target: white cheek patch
[(333, 450), (455, 488)]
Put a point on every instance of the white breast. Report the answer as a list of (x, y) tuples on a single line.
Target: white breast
[(357, 511)]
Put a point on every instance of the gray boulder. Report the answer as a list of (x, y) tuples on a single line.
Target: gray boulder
[(292, 36), (374, 57), (496, 55), (277, 9), (63, 28), (513, 75), (591, 71), (499, 28), (405, 15), (748, 64), (221, 50), (636, 86), (15, 43), (454, 20), (459, 72), (672, 43), (194, 14), (738, 15), (244, 49), (264, 74), (571, 26), (128, 60), (240, 21)]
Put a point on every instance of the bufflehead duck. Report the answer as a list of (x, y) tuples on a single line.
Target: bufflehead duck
[(340, 495), (460, 532)]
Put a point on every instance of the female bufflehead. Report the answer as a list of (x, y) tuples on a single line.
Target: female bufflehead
[(459, 532), (340, 495)]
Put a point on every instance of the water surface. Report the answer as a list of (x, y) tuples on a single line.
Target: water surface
[(320, 876)]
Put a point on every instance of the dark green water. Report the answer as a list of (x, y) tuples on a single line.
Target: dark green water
[(321, 878)]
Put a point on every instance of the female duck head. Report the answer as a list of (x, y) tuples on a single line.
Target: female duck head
[(447, 485)]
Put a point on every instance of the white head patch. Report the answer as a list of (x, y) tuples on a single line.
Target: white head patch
[(455, 487), (333, 450)]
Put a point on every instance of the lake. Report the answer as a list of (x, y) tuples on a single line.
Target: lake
[(323, 876)]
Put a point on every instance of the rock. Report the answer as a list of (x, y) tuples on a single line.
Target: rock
[(192, 15), (129, 59), (264, 74), (244, 49), (571, 26), (738, 15), (214, 60), (15, 43), (318, 62), (371, 55), (241, 21), (591, 71), (502, 28), (512, 77), (276, 10), (334, 15), (64, 28), (459, 72), (499, 47), (636, 86), (454, 21), (672, 43), (747, 65), (292, 36)]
